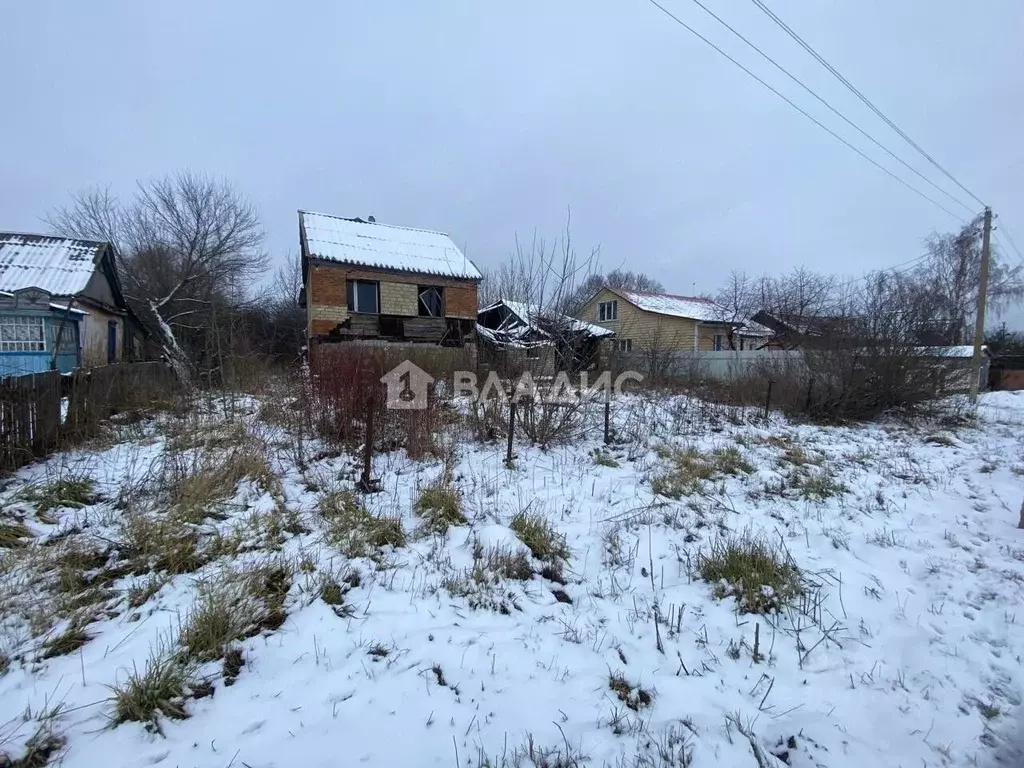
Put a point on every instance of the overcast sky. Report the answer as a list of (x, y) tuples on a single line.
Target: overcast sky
[(484, 119)]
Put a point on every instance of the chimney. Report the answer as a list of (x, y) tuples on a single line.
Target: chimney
[(371, 219)]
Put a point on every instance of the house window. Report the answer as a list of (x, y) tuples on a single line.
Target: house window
[(720, 342), (608, 310), (431, 301), (363, 296), (624, 345), (22, 334)]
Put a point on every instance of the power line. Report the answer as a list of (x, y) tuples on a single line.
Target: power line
[(835, 111), (786, 28), (803, 112), (1002, 228)]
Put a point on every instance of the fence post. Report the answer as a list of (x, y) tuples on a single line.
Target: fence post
[(607, 420), (768, 400), (511, 430), (366, 484), (810, 388)]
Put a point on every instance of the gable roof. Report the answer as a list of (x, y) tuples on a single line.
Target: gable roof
[(382, 246), (58, 265), (689, 307)]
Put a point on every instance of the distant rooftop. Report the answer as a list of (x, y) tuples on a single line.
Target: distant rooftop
[(692, 307), (384, 246)]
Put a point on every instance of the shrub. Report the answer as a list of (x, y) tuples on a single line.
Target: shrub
[(759, 575), (540, 537)]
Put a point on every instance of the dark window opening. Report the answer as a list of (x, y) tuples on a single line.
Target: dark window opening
[(363, 296), (431, 301)]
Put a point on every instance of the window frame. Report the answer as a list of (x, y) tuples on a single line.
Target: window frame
[(608, 311), (25, 345), (719, 342), (623, 345), (352, 296), (421, 305)]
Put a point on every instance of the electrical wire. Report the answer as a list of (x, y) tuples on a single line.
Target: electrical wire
[(1002, 229), (806, 46), (835, 111), (803, 112)]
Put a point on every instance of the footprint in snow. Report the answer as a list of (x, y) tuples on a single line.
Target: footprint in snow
[(159, 757), (254, 727)]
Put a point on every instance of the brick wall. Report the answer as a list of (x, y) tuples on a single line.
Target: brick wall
[(328, 301), (399, 299)]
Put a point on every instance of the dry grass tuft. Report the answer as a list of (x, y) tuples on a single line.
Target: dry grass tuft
[(540, 537), (160, 544), (440, 507), (13, 535), (198, 485), (159, 690), (356, 531), (74, 491), (633, 696), (760, 575), (688, 470), (69, 641), (236, 606), (234, 660), (140, 592)]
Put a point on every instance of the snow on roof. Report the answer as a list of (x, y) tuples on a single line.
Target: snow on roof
[(58, 265), (384, 246), (527, 313), (750, 328), (961, 350), (692, 307)]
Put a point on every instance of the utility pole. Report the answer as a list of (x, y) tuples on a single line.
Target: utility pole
[(979, 321)]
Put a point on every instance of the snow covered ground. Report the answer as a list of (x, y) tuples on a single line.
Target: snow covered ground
[(902, 646)]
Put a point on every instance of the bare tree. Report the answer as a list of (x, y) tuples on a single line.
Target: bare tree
[(951, 275), (188, 245), (621, 279)]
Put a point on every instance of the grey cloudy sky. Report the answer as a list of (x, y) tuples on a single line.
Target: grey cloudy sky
[(488, 118)]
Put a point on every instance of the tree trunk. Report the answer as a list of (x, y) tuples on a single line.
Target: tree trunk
[(1021, 523), (175, 355)]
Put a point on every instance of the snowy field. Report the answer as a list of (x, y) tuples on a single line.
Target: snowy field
[(580, 607)]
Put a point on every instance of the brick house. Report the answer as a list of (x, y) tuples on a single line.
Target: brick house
[(365, 280)]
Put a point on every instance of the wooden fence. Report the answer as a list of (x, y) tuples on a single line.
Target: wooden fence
[(42, 412)]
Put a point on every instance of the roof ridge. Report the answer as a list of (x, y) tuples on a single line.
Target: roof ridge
[(54, 237), (375, 223), (668, 295)]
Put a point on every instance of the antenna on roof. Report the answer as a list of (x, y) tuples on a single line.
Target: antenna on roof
[(371, 219)]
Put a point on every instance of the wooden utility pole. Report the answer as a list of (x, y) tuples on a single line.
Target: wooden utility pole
[(979, 321)]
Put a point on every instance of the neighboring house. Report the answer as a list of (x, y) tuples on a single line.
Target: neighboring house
[(364, 280), (61, 306), (521, 335), (659, 322)]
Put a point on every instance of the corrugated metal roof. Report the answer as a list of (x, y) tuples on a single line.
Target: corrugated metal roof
[(691, 307), (384, 246), (59, 265), (528, 314)]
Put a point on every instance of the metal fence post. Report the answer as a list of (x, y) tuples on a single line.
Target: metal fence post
[(607, 420), (768, 400), (511, 430)]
